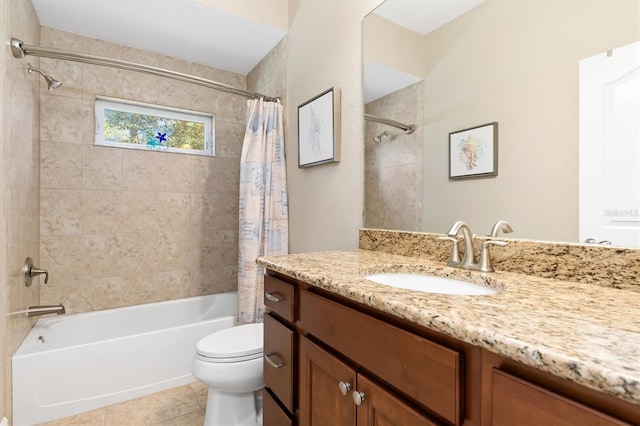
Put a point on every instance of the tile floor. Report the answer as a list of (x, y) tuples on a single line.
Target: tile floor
[(181, 406)]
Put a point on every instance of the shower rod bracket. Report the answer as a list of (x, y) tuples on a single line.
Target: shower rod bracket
[(16, 48)]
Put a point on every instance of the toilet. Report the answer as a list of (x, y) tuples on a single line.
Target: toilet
[(229, 362)]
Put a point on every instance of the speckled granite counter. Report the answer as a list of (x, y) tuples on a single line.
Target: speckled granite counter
[(585, 333)]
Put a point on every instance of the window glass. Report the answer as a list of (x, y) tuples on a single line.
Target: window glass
[(127, 124)]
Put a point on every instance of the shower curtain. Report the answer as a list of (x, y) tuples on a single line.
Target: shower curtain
[(264, 217)]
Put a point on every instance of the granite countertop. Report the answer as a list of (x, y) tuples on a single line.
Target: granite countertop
[(582, 332)]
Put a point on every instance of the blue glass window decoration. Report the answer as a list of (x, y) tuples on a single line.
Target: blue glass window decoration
[(157, 141)]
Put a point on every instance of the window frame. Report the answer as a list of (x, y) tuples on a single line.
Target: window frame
[(102, 103)]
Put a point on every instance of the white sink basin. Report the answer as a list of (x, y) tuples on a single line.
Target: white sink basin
[(429, 283)]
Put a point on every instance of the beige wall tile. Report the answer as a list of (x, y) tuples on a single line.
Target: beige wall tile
[(140, 169), (102, 211), (130, 241), (60, 212), (174, 210), (101, 167), (60, 165), (175, 172), (112, 291), (140, 87), (61, 120), (229, 138), (19, 182), (99, 80), (140, 253), (101, 255), (76, 295), (141, 212)]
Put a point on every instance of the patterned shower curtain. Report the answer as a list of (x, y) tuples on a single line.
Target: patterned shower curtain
[(264, 217)]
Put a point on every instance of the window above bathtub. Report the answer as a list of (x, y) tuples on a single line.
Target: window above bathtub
[(128, 124)]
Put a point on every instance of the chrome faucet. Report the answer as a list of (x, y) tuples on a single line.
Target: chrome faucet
[(33, 311), (468, 259)]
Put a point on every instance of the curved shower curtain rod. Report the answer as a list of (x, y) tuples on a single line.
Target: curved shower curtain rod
[(20, 50), (407, 128)]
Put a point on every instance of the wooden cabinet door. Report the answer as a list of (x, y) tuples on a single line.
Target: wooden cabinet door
[(381, 408), (515, 401), (321, 401)]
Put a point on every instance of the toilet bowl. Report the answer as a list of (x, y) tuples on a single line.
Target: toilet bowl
[(229, 362)]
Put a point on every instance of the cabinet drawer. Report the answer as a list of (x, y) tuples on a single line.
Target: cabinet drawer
[(517, 402), (279, 297), (425, 371), (278, 360), (272, 414)]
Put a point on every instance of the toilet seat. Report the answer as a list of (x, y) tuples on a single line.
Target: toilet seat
[(233, 344)]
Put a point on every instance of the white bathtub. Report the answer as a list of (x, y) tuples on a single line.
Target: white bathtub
[(95, 359)]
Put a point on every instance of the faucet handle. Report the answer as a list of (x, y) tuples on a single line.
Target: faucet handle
[(454, 259), (485, 264), (29, 272)]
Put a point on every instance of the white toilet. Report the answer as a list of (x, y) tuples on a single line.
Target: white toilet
[(229, 362)]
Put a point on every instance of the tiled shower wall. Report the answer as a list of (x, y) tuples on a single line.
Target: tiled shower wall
[(18, 181), (121, 226), (393, 168)]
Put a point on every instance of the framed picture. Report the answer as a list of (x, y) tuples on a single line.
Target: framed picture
[(473, 153), (319, 129)]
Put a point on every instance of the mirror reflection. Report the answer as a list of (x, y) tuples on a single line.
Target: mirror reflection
[(517, 63)]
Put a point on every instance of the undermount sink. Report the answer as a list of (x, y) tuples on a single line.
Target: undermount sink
[(429, 283)]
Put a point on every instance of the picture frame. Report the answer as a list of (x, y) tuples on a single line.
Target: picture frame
[(473, 152), (319, 129)]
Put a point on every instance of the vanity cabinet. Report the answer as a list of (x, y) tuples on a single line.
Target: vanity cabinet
[(518, 394), (327, 388), (280, 353), (402, 359), (321, 348)]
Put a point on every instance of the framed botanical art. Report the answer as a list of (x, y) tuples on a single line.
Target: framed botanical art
[(319, 129), (473, 152)]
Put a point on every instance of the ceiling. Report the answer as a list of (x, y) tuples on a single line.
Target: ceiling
[(193, 30), (424, 16), (221, 34)]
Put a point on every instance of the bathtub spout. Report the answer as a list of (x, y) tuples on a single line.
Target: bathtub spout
[(33, 311)]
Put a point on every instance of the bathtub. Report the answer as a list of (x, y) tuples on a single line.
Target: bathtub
[(70, 364)]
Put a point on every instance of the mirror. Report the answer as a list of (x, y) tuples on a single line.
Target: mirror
[(514, 62)]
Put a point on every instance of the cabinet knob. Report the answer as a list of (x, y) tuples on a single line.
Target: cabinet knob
[(345, 387), (358, 397)]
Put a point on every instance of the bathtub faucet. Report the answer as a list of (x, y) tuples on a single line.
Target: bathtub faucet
[(33, 311)]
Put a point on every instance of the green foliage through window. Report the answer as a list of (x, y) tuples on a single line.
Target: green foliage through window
[(134, 125)]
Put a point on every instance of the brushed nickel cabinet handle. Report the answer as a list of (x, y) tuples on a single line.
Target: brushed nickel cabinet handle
[(274, 297), (271, 362)]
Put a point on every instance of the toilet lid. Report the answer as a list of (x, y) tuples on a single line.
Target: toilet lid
[(243, 341)]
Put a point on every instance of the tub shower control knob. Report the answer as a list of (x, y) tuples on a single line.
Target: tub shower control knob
[(31, 271)]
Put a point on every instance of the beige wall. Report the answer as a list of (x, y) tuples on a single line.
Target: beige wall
[(121, 226), (269, 77), (19, 182), (325, 50), (515, 62), (394, 46), (393, 168)]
